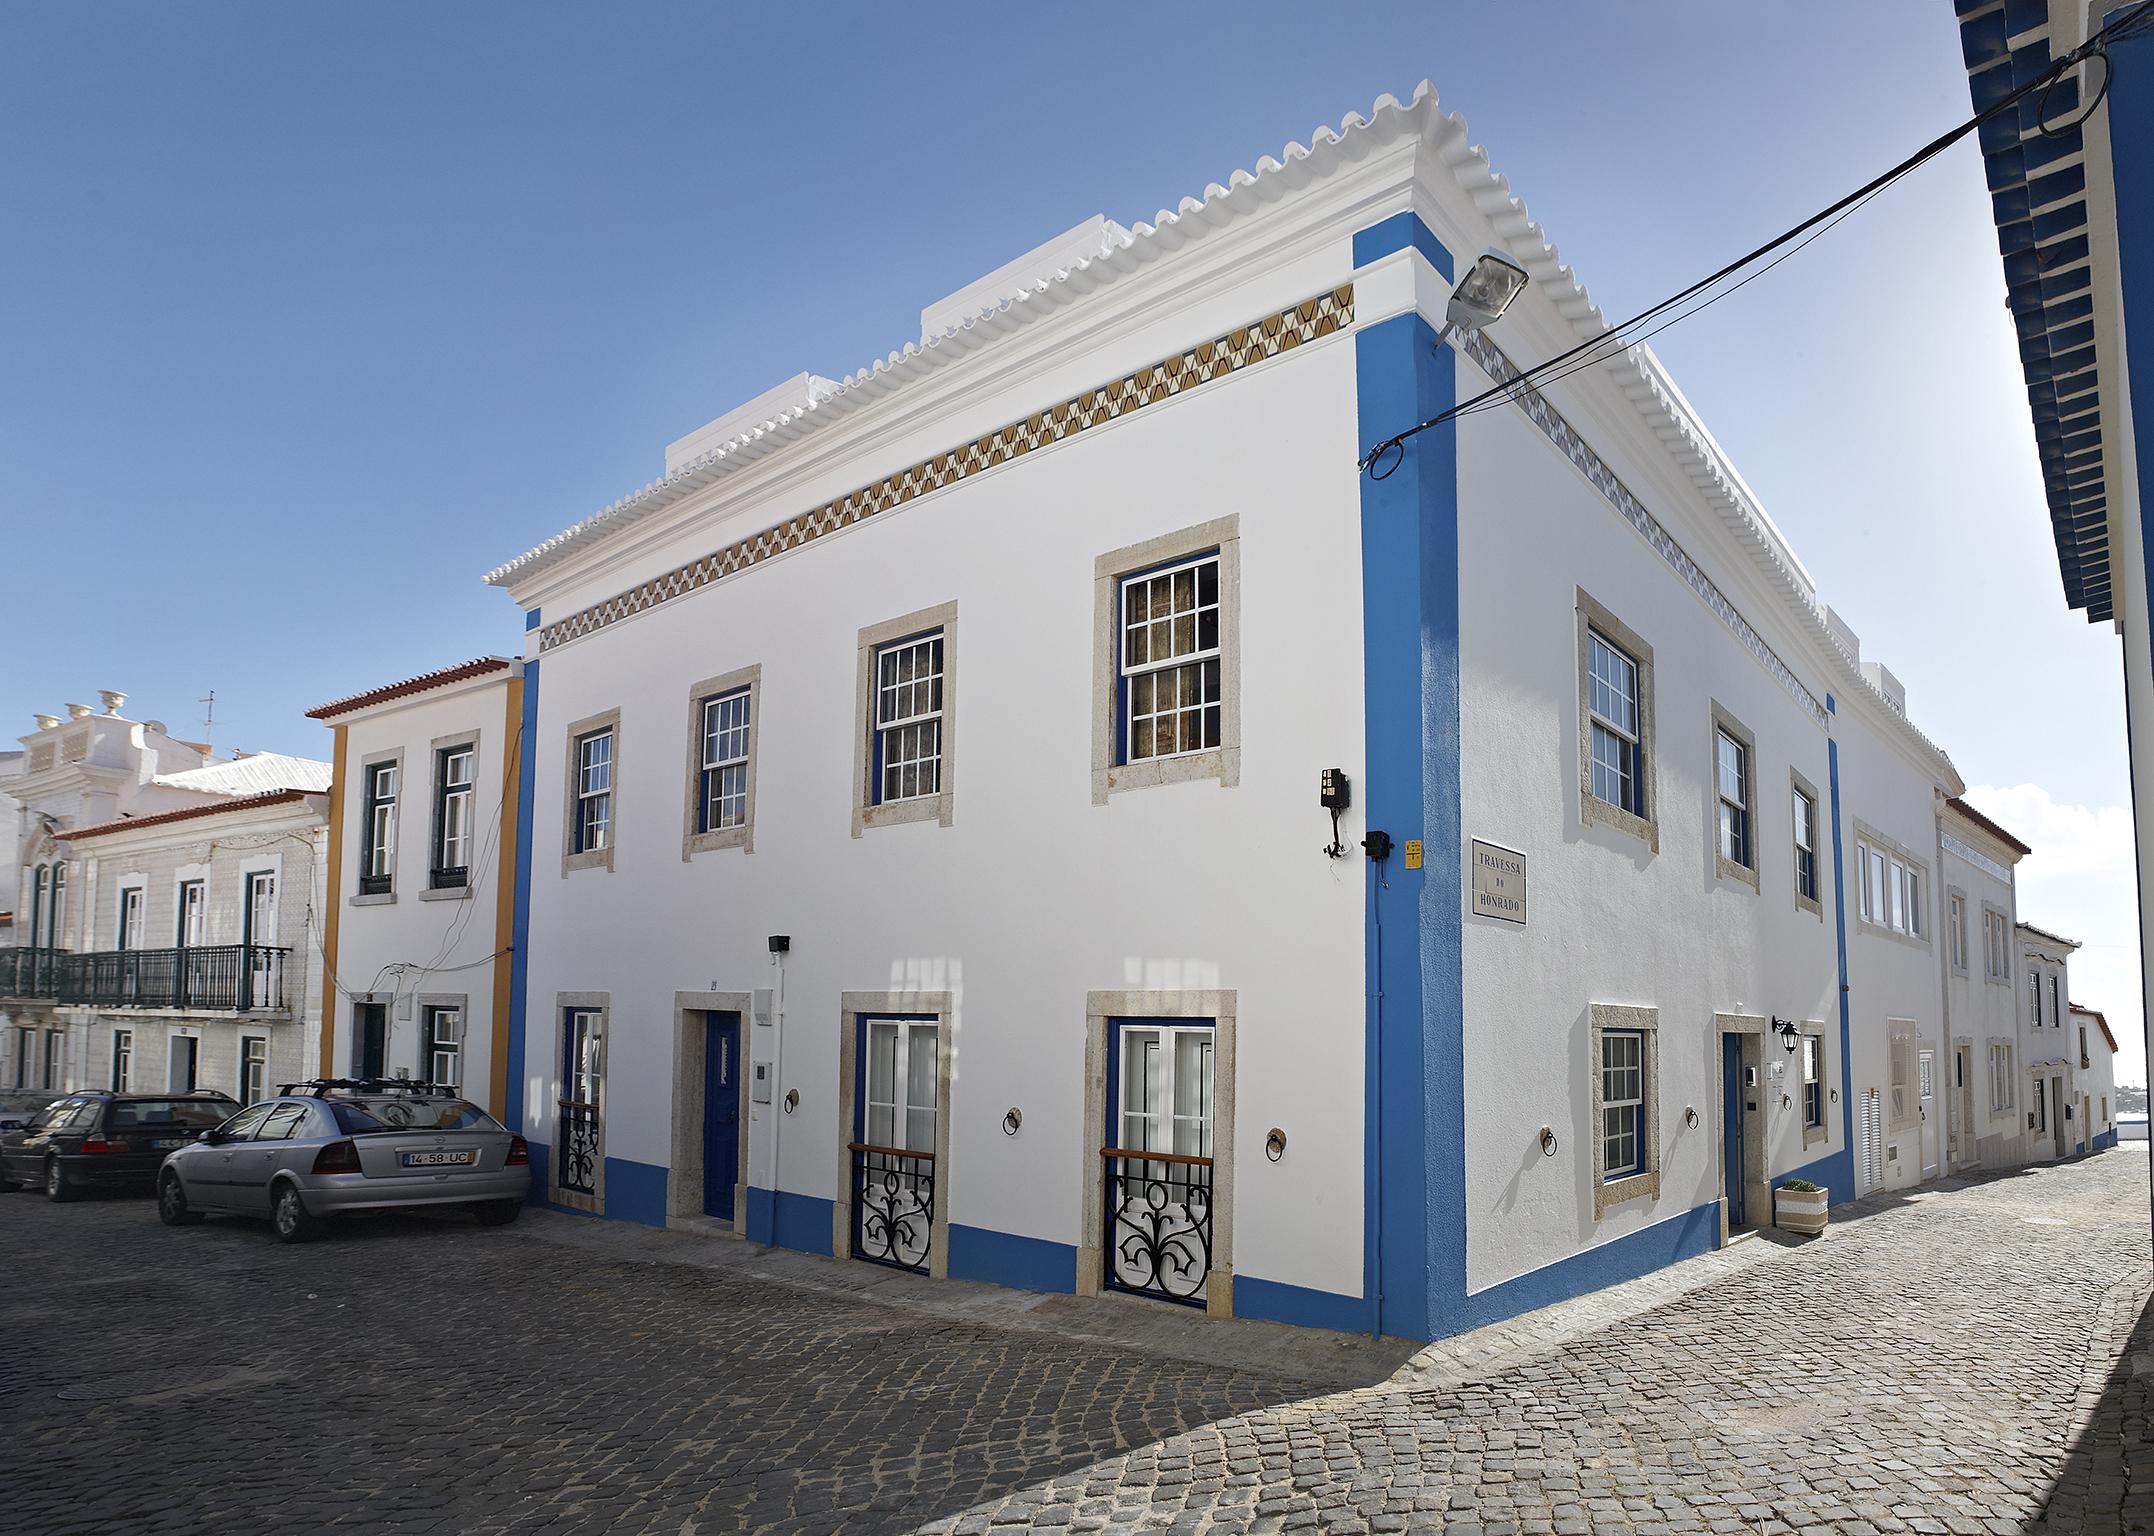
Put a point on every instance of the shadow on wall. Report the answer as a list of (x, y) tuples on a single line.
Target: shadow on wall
[(2107, 1481)]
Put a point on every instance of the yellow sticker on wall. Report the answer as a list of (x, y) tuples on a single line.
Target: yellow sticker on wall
[(1413, 853)]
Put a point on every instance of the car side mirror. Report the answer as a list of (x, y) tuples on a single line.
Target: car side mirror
[(208, 1135)]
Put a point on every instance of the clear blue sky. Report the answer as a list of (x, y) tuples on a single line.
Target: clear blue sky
[(312, 314)]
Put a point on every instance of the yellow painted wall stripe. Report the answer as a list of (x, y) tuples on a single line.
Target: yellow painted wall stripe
[(505, 890)]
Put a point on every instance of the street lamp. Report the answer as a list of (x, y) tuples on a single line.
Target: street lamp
[(1485, 292)]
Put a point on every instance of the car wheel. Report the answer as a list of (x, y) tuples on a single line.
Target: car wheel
[(172, 1208), (58, 1186), (498, 1213), (289, 1216)]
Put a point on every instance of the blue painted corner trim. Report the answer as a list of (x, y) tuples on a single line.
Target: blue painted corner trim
[(1396, 234), (1838, 1170), (782, 1219), (520, 928), (531, 621), (1005, 1258), (1695, 1231), (1414, 1154), (1274, 1301)]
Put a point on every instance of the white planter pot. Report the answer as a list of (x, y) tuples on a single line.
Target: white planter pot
[(1800, 1210)]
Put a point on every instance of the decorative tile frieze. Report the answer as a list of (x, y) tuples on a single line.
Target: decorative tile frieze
[(1305, 322), (1489, 357), (1977, 858)]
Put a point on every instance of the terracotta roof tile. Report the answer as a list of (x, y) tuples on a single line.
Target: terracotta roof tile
[(1986, 824), (217, 808), (478, 666)]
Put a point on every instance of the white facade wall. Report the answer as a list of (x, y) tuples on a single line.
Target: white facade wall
[(288, 841), (1983, 1009), (1612, 920), (2049, 1047), (2097, 1084), (1033, 896), (418, 945)]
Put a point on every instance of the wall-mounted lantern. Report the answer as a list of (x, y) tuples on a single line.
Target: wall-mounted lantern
[(1789, 1038)]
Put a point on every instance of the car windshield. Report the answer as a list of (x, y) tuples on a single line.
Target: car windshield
[(365, 1117), (161, 1114)]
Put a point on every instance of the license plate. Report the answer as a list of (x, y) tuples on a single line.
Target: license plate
[(167, 1143), (439, 1159)]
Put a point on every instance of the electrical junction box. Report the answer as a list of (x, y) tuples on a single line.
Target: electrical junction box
[(759, 1083)]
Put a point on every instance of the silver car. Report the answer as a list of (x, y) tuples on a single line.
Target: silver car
[(329, 1148)]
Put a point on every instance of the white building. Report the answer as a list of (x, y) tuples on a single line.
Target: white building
[(2049, 1046), (1984, 1085), (423, 859), (1034, 810), (2097, 1078), (163, 896)]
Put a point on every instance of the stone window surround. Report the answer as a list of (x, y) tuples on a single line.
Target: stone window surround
[(423, 1035), (1812, 1135), (1593, 811), (367, 765), (602, 1004), (434, 749), (1956, 933), (1891, 846), (594, 858), (1109, 774), (685, 1186), (1797, 784), (743, 836), (1219, 1007), (1645, 1184), (1726, 868), (852, 1008), (936, 807), (2003, 976)]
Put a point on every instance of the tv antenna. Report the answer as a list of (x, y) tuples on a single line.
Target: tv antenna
[(209, 721)]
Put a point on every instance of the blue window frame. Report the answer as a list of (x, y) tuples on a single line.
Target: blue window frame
[(1622, 1128), (722, 799), (908, 719)]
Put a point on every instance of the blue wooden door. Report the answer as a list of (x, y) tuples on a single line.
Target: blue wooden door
[(721, 1112), (1731, 1125)]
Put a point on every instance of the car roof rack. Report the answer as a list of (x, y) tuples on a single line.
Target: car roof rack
[(323, 1087)]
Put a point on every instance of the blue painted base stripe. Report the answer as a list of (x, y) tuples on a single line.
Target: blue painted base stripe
[(635, 1191), (1005, 1258), (1681, 1237), (1835, 1171), (1274, 1301), (782, 1219)]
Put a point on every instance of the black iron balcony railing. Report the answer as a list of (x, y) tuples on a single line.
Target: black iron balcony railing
[(229, 978), (893, 1205), (1159, 1224)]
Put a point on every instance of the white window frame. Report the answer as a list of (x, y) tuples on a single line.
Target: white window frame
[(437, 1051), (253, 1068), (1956, 929), (1810, 1071), (455, 813), (906, 1035), (1892, 887), (1639, 1179), (697, 835), (1116, 575), (1901, 1074), (133, 909), (1595, 623), (728, 725), (1742, 805), (123, 1061), (1996, 945), (1199, 665), (582, 797), (935, 627), (380, 797), (1627, 739), (908, 719), (1802, 793)]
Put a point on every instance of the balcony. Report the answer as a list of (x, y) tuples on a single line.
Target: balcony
[(209, 978)]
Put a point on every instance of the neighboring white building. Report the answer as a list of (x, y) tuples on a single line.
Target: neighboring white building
[(11, 836), (97, 795), (1984, 1084), (200, 944), (2097, 1078), (2049, 1046), (931, 787), (423, 859)]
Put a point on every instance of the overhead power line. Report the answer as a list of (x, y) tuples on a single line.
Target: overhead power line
[(1600, 348)]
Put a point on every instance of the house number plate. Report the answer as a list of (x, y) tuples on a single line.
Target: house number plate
[(1499, 883)]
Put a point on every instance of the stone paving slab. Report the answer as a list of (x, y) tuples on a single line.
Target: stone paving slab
[(1955, 1361), (1961, 1360)]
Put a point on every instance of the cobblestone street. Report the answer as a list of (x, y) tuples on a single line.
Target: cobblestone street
[(1932, 1365)]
